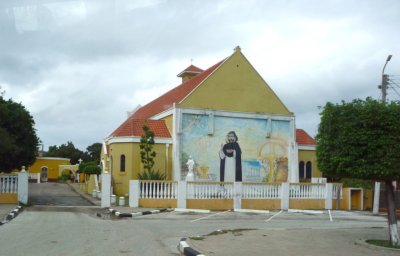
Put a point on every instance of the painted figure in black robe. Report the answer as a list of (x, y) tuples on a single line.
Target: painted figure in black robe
[(231, 159)]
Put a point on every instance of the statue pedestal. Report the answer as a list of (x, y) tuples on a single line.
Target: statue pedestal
[(190, 176)]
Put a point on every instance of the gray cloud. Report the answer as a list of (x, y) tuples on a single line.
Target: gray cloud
[(79, 65)]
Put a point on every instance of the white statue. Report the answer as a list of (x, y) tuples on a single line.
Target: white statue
[(190, 164)]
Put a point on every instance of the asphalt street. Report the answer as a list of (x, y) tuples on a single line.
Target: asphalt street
[(57, 229), (55, 194)]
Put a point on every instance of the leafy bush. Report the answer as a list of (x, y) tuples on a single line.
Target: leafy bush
[(63, 177), (92, 169), (83, 165), (151, 175)]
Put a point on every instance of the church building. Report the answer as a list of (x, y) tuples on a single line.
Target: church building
[(227, 119)]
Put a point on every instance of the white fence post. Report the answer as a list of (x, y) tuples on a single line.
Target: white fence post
[(182, 194), (237, 195), (377, 191), (105, 190), (328, 196), (134, 190), (23, 186), (285, 196)]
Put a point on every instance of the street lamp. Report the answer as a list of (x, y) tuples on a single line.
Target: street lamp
[(384, 85)]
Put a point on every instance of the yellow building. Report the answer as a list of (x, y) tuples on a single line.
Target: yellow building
[(227, 118), (49, 167)]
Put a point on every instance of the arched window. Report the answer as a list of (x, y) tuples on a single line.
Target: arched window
[(111, 164), (122, 163), (301, 170), (308, 170)]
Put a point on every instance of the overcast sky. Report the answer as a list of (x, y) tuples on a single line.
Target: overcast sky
[(79, 65)]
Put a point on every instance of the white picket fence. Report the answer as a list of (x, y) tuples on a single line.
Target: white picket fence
[(209, 190), (337, 190), (261, 190), (158, 189), (15, 184), (225, 190), (8, 184), (307, 191)]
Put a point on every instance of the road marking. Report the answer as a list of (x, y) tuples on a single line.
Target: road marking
[(205, 217), (273, 216), (330, 215)]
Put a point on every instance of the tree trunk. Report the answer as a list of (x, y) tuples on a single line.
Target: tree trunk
[(391, 210)]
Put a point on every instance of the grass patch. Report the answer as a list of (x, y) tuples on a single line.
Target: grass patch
[(235, 232), (198, 238), (383, 243)]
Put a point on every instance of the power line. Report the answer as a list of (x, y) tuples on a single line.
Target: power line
[(394, 89)]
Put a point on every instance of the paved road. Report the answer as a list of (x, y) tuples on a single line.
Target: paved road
[(48, 230), (55, 194)]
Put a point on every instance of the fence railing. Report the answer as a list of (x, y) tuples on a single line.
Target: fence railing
[(261, 190), (150, 189), (337, 189), (9, 184), (222, 190), (307, 190), (184, 190), (209, 190)]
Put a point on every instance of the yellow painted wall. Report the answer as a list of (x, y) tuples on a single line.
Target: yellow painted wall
[(91, 184), (52, 163), (368, 199), (158, 203), (133, 164), (168, 122), (261, 204), (310, 155), (307, 204), (8, 198), (352, 201), (210, 204), (236, 86)]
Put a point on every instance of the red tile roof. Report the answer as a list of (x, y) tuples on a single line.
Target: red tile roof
[(134, 127), (302, 138), (176, 95), (191, 69)]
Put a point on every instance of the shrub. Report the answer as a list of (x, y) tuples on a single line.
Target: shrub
[(92, 169), (151, 175)]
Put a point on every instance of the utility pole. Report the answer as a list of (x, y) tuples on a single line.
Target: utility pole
[(383, 87), (385, 80)]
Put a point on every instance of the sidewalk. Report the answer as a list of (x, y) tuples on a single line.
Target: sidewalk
[(310, 242), (5, 209)]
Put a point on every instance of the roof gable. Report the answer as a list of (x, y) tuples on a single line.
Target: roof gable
[(302, 138), (134, 127), (191, 69), (175, 95), (236, 87)]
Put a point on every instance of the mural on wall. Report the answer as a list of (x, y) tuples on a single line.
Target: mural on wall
[(230, 168), (213, 143)]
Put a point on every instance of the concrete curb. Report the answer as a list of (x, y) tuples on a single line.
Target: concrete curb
[(363, 242), (134, 214), (185, 249), (184, 210), (14, 213)]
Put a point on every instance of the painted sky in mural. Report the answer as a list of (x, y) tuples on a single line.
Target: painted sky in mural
[(263, 144)]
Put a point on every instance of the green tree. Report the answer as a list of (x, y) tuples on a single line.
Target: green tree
[(92, 153), (361, 140), (147, 155), (18, 139), (65, 150)]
